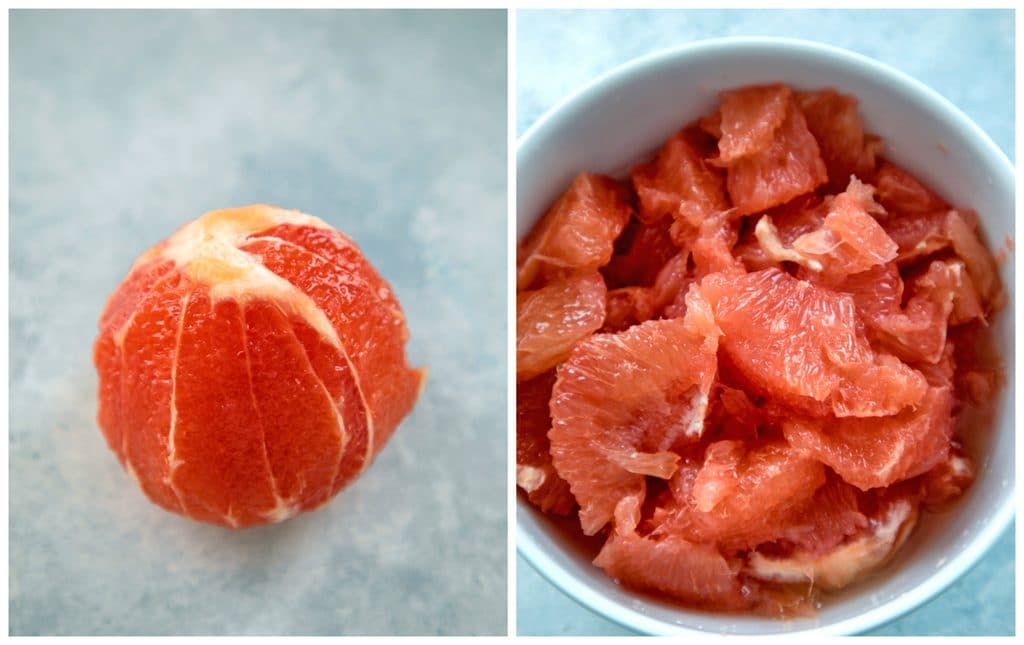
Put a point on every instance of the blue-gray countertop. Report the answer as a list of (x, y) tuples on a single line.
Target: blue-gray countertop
[(967, 56), (390, 126)]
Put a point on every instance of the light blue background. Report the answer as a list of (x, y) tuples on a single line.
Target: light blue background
[(389, 125), (967, 56)]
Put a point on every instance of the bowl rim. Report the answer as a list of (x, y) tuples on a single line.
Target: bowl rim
[(956, 566)]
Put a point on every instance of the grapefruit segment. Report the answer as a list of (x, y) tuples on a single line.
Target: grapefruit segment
[(900, 192), (948, 480), (304, 434), (915, 331), (790, 166), (621, 401), (848, 241), (766, 481), (717, 478), (146, 401), (846, 562), (577, 235), (550, 320), (535, 473), (221, 477), (749, 118), (870, 453), (805, 345), (710, 241), (697, 573), (830, 516), (834, 120), (679, 181), (981, 266)]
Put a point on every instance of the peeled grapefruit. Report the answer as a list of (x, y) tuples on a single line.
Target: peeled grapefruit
[(250, 366)]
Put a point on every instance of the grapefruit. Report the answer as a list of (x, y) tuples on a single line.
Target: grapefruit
[(805, 345), (870, 453), (640, 253), (678, 180), (251, 366), (760, 396), (849, 240), (577, 235), (788, 167), (551, 319), (622, 401), (834, 120), (534, 472), (749, 118)]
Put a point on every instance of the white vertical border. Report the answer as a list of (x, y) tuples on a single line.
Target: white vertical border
[(511, 292)]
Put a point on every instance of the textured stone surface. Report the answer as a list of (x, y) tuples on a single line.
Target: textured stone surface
[(392, 127), (967, 56)]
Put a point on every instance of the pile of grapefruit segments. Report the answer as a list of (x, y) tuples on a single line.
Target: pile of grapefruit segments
[(743, 365)]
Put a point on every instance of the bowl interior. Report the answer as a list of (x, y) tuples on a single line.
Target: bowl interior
[(623, 118)]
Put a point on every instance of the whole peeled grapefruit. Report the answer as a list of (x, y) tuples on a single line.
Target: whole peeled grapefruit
[(250, 366)]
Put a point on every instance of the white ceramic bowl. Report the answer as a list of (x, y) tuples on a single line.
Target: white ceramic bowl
[(622, 118)]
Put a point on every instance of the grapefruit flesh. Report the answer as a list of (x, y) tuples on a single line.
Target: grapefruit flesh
[(915, 330), (864, 552), (251, 365), (834, 120), (535, 473), (693, 572), (767, 393), (749, 118), (849, 240), (804, 345), (577, 235), (628, 306), (622, 401), (871, 453), (551, 319), (640, 254), (788, 167), (740, 495), (679, 180)]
